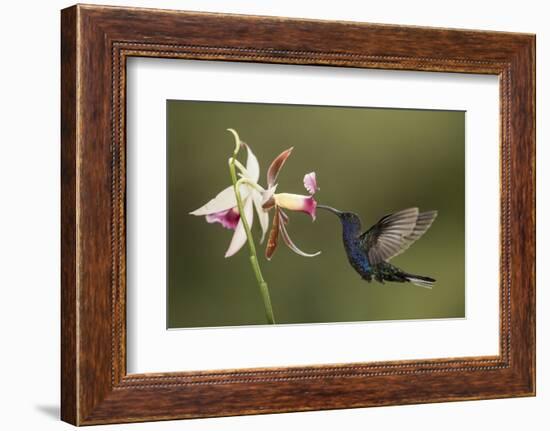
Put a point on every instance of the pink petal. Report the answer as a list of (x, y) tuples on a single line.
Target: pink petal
[(239, 236), (310, 183), (276, 165), (294, 202), (228, 218)]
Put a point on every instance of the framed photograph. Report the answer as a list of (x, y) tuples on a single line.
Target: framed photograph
[(264, 214)]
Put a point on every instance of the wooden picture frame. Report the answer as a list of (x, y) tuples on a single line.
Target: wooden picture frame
[(95, 43)]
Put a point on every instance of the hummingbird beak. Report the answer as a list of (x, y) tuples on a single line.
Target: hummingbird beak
[(332, 210)]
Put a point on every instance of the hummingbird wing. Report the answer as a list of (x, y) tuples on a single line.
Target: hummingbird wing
[(394, 233), (423, 223)]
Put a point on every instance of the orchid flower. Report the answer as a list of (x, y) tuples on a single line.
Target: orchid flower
[(234, 207), (223, 208), (288, 201)]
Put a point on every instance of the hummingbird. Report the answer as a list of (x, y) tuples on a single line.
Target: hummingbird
[(369, 252)]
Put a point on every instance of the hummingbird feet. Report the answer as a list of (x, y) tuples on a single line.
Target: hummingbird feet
[(367, 277)]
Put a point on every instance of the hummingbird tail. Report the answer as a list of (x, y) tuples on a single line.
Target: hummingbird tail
[(420, 280)]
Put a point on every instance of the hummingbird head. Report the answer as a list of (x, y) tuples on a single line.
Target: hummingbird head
[(351, 223), (344, 216), (349, 218)]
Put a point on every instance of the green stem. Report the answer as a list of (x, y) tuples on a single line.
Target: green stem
[(251, 246)]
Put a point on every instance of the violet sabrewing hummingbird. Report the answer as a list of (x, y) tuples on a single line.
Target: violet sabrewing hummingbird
[(369, 252)]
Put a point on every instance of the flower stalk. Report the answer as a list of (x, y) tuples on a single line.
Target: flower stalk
[(262, 284)]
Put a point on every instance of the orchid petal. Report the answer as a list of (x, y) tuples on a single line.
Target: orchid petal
[(292, 246), (239, 236), (263, 216), (284, 217), (267, 198), (310, 183), (273, 237), (252, 165), (276, 165), (270, 203), (228, 219), (240, 167), (295, 202), (222, 202)]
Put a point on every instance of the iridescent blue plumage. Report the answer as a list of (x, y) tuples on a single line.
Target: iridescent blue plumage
[(369, 252)]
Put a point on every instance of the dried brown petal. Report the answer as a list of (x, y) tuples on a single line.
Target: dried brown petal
[(276, 165), (273, 237)]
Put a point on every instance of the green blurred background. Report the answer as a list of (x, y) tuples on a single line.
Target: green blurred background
[(370, 161)]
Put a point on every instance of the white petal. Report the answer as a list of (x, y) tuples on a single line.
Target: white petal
[(263, 216), (292, 246), (243, 172), (252, 165), (239, 236), (223, 201)]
